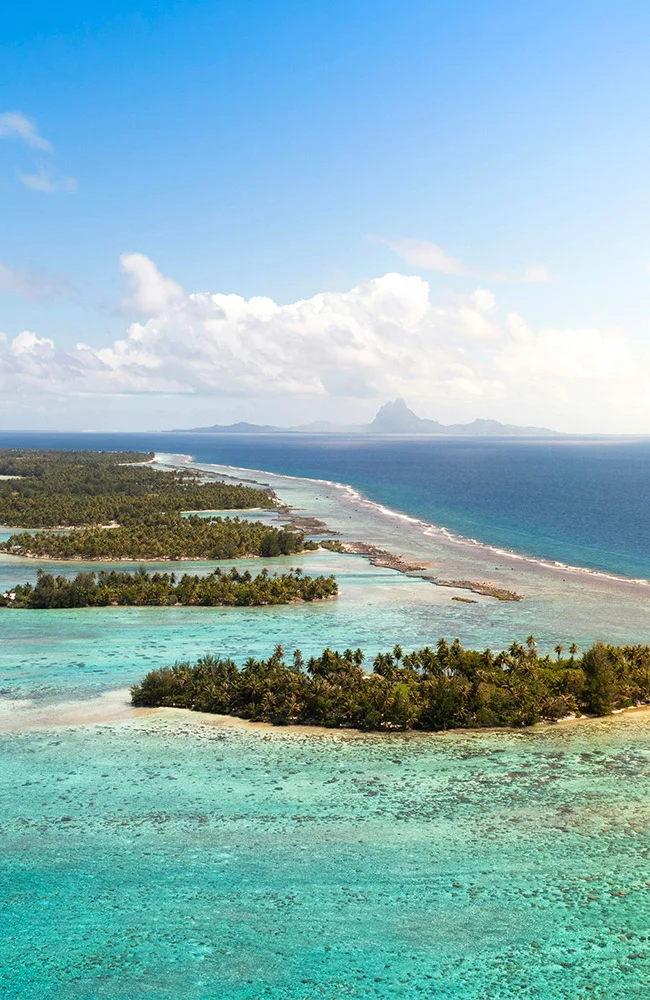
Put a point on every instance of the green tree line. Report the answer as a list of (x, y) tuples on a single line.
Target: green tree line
[(220, 588), (82, 488), (118, 508), (434, 689), (172, 538)]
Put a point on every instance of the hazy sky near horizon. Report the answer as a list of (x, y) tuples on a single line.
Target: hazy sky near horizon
[(286, 211)]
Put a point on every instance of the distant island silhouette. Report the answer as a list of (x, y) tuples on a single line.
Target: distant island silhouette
[(393, 418)]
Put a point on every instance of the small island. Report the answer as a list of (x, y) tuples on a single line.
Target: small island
[(59, 489), (218, 589), (167, 538), (432, 689), (114, 505), (480, 587)]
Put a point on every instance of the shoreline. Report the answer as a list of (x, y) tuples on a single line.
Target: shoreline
[(388, 560), (237, 722), (115, 605), (149, 559), (438, 533), (385, 559), (415, 563), (114, 707)]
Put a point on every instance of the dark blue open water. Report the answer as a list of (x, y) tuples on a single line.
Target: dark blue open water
[(580, 501)]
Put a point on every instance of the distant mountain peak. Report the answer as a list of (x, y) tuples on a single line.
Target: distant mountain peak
[(393, 417), (396, 418), (395, 406)]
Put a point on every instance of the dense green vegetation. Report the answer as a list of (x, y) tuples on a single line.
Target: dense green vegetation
[(431, 689), (171, 538), (119, 509), (82, 488), (142, 588)]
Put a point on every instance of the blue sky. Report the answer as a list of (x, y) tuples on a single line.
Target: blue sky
[(290, 149)]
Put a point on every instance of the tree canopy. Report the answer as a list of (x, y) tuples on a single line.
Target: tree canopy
[(173, 537), (221, 587), (82, 488), (118, 507), (439, 688)]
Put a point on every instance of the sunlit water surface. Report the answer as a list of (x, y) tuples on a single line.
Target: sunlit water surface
[(164, 857)]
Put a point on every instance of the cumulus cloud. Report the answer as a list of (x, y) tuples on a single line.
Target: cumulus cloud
[(383, 338), (15, 125), (27, 344), (151, 292)]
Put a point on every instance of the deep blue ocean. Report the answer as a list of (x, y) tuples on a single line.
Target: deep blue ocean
[(584, 502)]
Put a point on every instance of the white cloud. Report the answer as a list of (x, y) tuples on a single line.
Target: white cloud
[(152, 292), (424, 254), (570, 356), (383, 338), (42, 180), (15, 125), (537, 274), (27, 344)]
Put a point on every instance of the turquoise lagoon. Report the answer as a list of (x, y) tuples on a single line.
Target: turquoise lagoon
[(168, 858), (54, 656), (172, 856)]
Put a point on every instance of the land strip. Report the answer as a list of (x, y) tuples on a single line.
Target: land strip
[(485, 589), (141, 589), (87, 492)]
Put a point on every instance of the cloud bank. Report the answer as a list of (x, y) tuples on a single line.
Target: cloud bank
[(383, 338)]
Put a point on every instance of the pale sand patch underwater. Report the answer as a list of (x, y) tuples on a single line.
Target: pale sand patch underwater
[(17, 715)]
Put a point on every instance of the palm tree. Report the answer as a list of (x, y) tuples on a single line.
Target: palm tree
[(384, 664), (559, 649), (516, 650), (502, 660)]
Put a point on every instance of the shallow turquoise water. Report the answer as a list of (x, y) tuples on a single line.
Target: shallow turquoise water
[(163, 857), (169, 859), (66, 654)]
